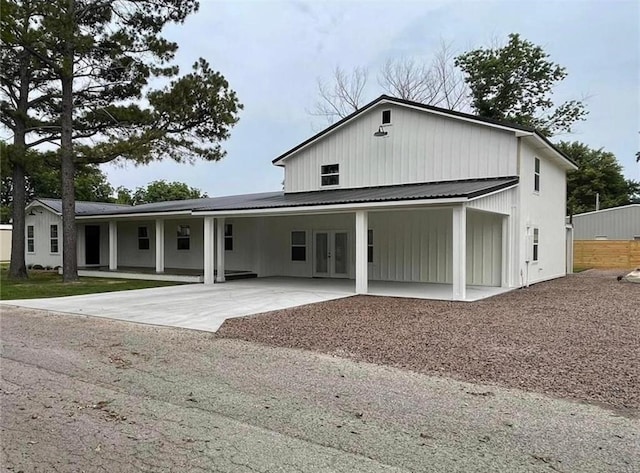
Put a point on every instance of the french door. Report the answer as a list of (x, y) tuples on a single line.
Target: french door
[(331, 254)]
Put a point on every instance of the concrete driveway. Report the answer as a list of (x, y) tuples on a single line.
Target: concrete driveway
[(194, 306)]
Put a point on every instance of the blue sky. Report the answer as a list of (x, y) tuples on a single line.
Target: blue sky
[(272, 53)]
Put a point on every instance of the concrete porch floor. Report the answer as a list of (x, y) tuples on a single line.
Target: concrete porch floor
[(388, 288)]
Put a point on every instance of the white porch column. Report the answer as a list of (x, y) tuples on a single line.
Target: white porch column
[(362, 227), (209, 250), (220, 249), (159, 246), (459, 253), (506, 253), (113, 245)]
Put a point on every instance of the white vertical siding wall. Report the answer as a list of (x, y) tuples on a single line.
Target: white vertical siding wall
[(41, 221), (544, 210), (419, 147), (500, 202), (408, 245), (193, 258), (484, 248)]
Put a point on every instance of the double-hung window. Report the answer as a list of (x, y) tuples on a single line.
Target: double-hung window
[(228, 237), (298, 246), (536, 237), (370, 246), (31, 245), (184, 237), (536, 175), (54, 238), (143, 238), (330, 175)]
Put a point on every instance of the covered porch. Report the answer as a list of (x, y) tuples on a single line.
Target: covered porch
[(457, 247)]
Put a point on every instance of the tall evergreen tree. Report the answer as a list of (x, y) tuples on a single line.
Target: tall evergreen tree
[(103, 55)]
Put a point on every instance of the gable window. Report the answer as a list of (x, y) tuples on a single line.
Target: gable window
[(536, 175), (330, 175), (143, 238), (184, 237), (536, 237), (370, 246), (386, 117), (298, 246), (31, 246), (228, 237), (54, 238)]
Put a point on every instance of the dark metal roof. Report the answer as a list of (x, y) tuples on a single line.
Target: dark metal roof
[(83, 207), (272, 200), (452, 113)]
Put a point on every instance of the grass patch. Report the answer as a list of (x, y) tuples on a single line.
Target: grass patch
[(42, 284)]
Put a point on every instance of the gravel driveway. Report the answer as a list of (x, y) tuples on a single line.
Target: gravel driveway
[(576, 337)]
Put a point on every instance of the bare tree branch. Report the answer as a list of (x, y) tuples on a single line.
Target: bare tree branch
[(440, 83), (343, 96)]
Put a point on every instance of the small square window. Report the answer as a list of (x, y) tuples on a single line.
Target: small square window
[(386, 117), (330, 175)]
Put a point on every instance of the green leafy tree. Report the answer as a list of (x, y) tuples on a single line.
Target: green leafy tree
[(102, 56), (598, 172), (162, 191), (515, 82), (42, 179)]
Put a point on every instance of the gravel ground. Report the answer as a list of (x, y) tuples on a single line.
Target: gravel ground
[(84, 394), (575, 337)]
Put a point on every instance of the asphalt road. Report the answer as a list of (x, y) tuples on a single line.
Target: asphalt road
[(87, 394)]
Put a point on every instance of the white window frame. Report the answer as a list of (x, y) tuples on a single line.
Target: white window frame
[(31, 239), (535, 245), (299, 245), (182, 236), (324, 172), (390, 117), (228, 236), (144, 238), (53, 239), (536, 175), (369, 245)]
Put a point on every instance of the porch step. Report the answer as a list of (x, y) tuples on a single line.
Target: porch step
[(239, 275)]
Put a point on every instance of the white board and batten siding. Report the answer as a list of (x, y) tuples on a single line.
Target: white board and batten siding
[(544, 210), (419, 147), (41, 221), (408, 245)]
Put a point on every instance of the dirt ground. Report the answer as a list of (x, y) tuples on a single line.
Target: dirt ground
[(576, 337), (83, 394)]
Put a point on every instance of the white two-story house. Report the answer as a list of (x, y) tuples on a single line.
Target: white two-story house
[(397, 192)]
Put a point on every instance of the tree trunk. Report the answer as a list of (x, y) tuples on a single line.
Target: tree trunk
[(17, 266), (69, 236)]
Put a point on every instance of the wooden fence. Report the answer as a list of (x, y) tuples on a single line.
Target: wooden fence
[(606, 254)]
